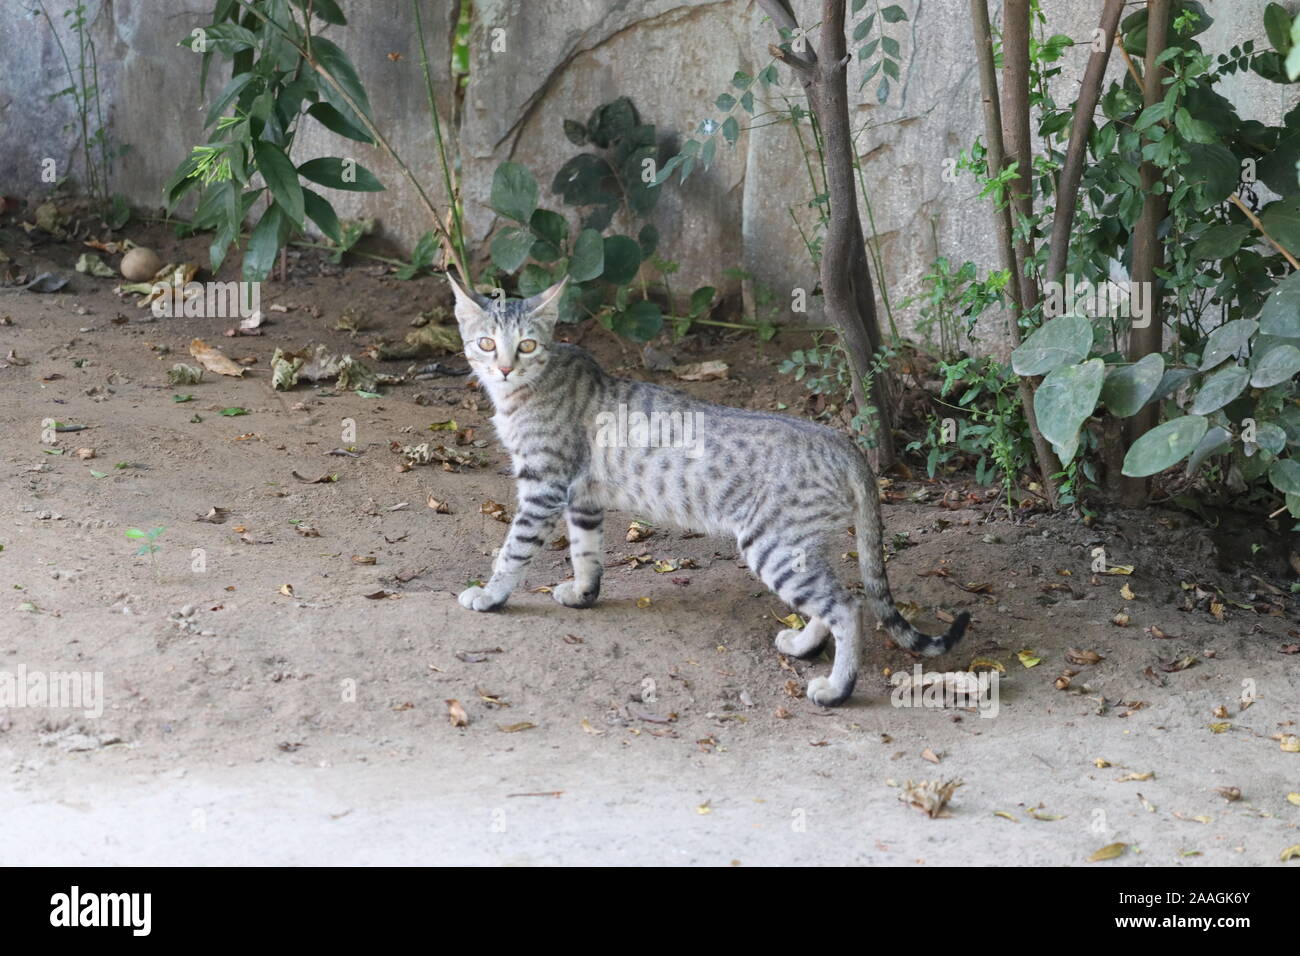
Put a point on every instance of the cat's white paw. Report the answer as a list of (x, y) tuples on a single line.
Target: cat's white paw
[(794, 642), (479, 599), (568, 594), (825, 694)]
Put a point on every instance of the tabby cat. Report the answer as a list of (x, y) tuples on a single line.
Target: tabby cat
[(582, 441)]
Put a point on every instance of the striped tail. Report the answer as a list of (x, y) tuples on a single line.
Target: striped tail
[(875, 583)]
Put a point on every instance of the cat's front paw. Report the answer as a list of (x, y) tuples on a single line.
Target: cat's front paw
[(794, 642), (569, 595), (479, 599)]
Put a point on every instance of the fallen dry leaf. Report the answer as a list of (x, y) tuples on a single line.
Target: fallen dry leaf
[(1109, 852), (456, 713), (1076, 656), (931, 797), (213, 359), (701, 371)]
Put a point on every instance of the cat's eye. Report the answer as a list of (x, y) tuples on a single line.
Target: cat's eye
[(487, 344), (527, 345)]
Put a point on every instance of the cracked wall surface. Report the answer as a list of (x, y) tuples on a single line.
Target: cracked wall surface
[(537, 63)]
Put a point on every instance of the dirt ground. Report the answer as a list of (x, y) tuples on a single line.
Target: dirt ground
[(271, 699)]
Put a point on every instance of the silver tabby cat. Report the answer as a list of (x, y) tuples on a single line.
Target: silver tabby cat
[(582, 441)]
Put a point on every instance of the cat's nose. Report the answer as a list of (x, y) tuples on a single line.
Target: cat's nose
[(506, 370)]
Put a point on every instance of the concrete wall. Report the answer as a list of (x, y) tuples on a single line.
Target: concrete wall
[(560, 59)]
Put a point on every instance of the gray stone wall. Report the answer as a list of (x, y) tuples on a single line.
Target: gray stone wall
[(560, 59)]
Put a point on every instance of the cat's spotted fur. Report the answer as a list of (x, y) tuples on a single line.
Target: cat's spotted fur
[(781, 487)]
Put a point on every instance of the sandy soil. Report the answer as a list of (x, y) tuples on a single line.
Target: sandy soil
[(265, 710)]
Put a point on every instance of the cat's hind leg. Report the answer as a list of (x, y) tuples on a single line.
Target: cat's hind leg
[(586, 521), (803, 579), (807, 642)]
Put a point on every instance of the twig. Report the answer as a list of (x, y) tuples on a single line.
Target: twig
[(1254, 221), (1067, 188)]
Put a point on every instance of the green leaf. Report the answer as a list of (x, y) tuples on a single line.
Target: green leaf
[(134, 533), (1281, 220), (322, 213), (1216, 441), (1219, 388), (701, 299), (893, 14), (648, 240), (1285, 476), (338, 173), (1061, 341), (1277, 24), (611, 121), (1277, 366), (227, 96), (533, 279), (1220, 242), (588, 260), (281, 178), (337, 64), (622, 260), (1277, 169), (580, 181), (1270, 437), (550, 227), (641, 321), (514, 192), (263, 244), (575, 132), (1226, 341), (1215, 168), (510, 248), (1281, 312), (1164, 446), (336, 122), (327, 10), (226, 38), (730, 130), (234, 411), (1292, 64), (1065, 400), (1129, 387)]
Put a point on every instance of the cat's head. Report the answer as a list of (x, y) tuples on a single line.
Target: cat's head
[(507, 341)]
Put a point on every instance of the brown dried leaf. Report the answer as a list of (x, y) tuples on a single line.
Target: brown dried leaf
[(456, 713), (213, 359), (1076, 656)]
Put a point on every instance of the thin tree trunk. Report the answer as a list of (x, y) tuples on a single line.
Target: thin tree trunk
[(845, 271), (1080, 128), (1017, 133), (1148, 254), (1048, 463)]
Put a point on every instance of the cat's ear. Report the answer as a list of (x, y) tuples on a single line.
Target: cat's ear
[(469, 304), (546, 305)]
